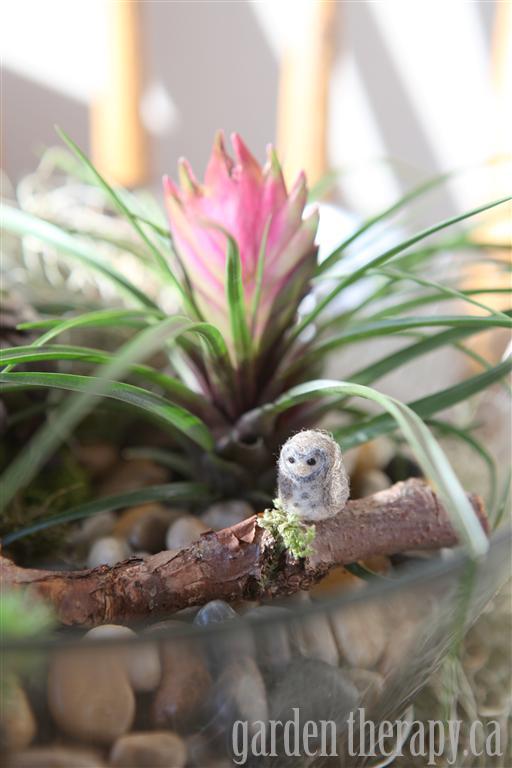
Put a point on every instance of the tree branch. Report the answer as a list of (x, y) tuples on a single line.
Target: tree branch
[(242, 562)]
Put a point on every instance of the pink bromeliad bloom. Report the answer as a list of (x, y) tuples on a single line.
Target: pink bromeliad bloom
[(252, 204)]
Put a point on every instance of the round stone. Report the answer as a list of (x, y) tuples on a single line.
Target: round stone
[(236, 644), (144, 527), (312, 637), (373, 481), (158, 749), (273, 647), (17, 722), (142, 662), (108, 550), (185, 684), (131, 474), (224, 514), (184, 531), (240, 694), (55, 757), (360, 636), (90, 696)]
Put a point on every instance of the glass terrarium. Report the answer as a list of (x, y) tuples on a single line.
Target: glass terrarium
[(211, 335)]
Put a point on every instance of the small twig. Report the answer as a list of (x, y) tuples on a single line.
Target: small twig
[(243, 562)]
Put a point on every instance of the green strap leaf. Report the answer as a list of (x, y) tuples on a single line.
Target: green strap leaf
[(168, 493), (31, 354), (23, 223), (236, 302), (49, 437), (382, 259), (156, 407), (118, 202), (425, 407)]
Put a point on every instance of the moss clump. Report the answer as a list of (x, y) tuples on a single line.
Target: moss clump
[(288, 530)]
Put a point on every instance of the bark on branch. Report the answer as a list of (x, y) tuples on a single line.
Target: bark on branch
[(241, 562)]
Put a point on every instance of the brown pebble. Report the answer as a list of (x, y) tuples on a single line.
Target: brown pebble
[(370, 685), (89, 695), (55, 757), (360, 635), (185, 682), (158, 749), (17, 722), (144, 527), (141, 662), (97, 458), (128, 475)]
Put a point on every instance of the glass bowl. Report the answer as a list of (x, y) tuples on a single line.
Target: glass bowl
[(291, 682)]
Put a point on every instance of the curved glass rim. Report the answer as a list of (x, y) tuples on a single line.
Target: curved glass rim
[(410, 575)]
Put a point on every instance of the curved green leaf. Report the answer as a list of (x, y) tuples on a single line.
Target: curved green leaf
[(382, 259), (168, 493), (236, 302), (157, 407), (123, 208)]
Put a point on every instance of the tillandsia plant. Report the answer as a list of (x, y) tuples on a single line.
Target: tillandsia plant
[(242, 350)]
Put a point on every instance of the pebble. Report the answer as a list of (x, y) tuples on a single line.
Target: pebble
[(239, 694), (370, 685), (55, 757), (224, 514), (185, 684), (97, 458), (236, 644), (142, 662), (131, 474), (184, 531), (144, 527), (373, 481), (273, 648), (318, 690), (159, 749), (94, 528), (90, 696), (17, 722), (313, 638), (360, 636), (402, 467), (374, 455), (108, 550)]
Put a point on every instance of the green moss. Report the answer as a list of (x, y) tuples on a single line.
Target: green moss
[(288, 530)]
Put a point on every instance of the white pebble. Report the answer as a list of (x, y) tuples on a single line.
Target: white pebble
[(184, 531), (107, 551), (142, 663)]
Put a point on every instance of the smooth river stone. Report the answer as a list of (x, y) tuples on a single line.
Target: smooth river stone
[(239, 694), (319, 691), (55, 757), (359, 633), (184, 531), (185, 684), (157, 749), (90, 696), (271, 636), (17, 722), (224, 514), (142, 662), (236, 643), (108, 550), (145, 527), (312, 637)]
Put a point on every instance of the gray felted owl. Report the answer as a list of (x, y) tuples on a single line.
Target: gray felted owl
[(312, 480)]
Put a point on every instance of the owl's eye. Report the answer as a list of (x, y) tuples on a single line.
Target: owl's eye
[(311, 462), (291, 460)]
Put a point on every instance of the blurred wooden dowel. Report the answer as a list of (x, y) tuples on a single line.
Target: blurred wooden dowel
[(303, 103), (118, 139)]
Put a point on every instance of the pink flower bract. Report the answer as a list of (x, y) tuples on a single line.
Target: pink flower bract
[(248, 201)]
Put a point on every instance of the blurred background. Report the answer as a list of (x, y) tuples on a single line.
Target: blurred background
[(336, 84)]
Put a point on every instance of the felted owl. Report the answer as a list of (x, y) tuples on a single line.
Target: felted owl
[(312, 480)]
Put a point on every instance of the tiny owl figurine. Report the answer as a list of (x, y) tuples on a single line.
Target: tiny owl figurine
[(312, 480)]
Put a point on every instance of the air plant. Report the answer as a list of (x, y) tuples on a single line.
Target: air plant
[(242, 349)]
